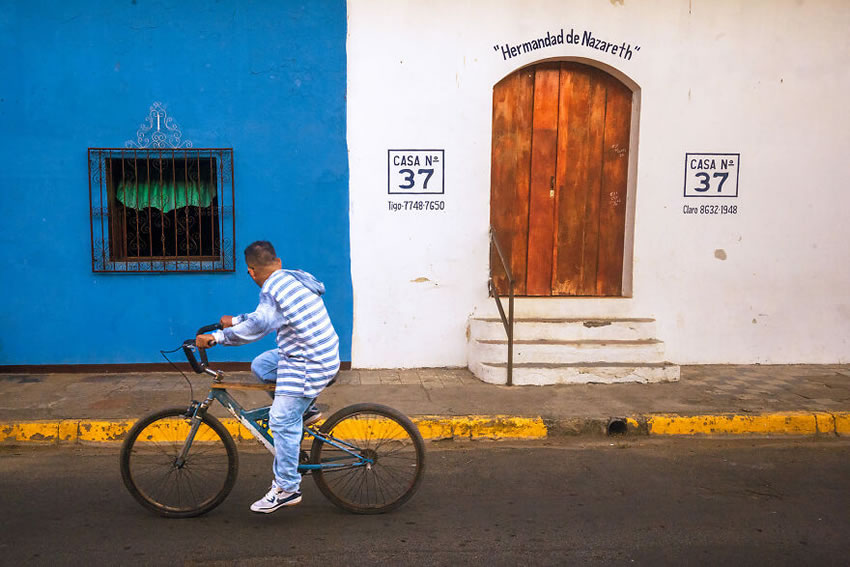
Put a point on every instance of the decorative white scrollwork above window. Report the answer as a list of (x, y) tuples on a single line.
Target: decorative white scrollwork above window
[(158, 131)]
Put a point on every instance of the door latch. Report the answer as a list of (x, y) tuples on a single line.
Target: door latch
[(552, 187)]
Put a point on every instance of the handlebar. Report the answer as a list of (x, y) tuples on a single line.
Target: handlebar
[(206, 329), (189, 349)]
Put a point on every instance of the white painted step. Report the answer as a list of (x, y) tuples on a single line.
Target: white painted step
[(535, 328), (562, 307), (581, 373), (566, 352)]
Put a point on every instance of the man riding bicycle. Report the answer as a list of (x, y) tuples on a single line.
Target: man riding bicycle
[(305, 361)]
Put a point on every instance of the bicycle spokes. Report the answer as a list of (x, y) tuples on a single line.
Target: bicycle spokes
[(168, 482), (371, 461)]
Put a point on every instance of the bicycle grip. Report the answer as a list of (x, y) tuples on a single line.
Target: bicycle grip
[(188, 347), (203, 331)]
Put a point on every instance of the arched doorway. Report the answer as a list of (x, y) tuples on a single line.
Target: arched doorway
[(559, 175)]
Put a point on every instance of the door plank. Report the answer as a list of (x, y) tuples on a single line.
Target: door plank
[(541, 217), (615, 170), (579, 181), (595, 129), (510, 170), (570, 195)]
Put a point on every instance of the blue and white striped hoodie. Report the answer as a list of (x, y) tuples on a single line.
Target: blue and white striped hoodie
[(291, 304)]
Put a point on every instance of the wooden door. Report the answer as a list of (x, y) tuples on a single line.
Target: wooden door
[(558, 179)]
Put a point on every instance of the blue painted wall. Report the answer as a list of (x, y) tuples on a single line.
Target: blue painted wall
[(265, 78)]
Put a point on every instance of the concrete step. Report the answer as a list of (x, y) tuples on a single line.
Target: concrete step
[(538, 328), (564, 307), (579, 373), (566, 352)]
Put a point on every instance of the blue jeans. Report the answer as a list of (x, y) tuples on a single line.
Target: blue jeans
[(285, 422)]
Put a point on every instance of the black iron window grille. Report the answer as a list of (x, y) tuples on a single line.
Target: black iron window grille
[(162, 210)]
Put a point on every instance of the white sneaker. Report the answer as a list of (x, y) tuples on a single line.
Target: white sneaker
[(311, 416), (274, 499)]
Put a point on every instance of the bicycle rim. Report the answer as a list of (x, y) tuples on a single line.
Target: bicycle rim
[(385, 438), (152, 475)]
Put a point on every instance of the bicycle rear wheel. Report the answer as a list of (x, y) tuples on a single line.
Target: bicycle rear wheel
[(151, 473), (384, 436)]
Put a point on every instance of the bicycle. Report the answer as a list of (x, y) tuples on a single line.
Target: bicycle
[(182, 462)]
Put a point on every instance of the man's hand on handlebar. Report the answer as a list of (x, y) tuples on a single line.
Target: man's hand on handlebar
[(226, 321), (204, 341)]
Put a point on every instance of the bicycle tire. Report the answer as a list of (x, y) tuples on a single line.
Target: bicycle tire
[(380, 433), (151, 476)]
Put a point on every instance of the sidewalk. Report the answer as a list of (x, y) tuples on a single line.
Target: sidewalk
[(452, 403)]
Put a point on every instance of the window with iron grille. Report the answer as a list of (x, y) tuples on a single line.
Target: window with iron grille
[(162, 210)]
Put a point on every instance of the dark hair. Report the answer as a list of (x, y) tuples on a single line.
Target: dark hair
[(260, 253)]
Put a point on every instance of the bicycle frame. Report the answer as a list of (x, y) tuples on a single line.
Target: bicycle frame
[(256, 421)]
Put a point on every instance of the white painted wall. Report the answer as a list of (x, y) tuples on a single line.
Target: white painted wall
[(768, 79)]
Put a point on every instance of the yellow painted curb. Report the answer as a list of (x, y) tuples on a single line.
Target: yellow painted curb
[(481, 427), (100, 431), (842, 423), (472, 427), (440, 427), (31, 431), (431, 427), (792, 423)]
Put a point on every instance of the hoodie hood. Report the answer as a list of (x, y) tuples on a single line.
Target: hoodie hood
[(307, 280)]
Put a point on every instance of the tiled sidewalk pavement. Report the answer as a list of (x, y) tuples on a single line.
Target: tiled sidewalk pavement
[(800, 387), (716, 400), (736, 389), (428, 378)]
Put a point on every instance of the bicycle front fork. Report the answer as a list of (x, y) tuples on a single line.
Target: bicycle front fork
[(195, 413)]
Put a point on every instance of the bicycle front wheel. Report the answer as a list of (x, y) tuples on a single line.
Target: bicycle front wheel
[(153, 475), (373, 461)]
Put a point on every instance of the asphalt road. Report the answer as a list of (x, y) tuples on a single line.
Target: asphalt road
[(624, 503)]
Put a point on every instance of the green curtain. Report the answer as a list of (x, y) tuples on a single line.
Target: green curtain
[(166, 196)]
